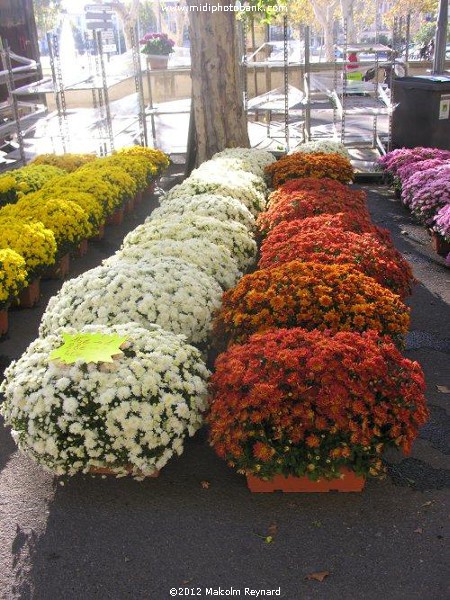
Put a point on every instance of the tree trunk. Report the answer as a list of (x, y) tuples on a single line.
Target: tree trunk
[(217, 95), (324, 13), (128, 15)]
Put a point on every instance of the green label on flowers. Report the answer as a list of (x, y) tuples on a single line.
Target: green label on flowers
[(88, 347)]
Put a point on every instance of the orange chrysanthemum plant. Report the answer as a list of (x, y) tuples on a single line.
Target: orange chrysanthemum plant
[(293, 402), (299, 164), (302, 204), (332, 245), (309, 295)]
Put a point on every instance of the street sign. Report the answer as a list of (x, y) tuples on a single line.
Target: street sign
[(97, 7), (99, 16), (103, 25)]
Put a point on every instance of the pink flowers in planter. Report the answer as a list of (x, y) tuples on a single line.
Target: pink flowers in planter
[(394, 160), (423, 175), (442, 222), (426, 192)]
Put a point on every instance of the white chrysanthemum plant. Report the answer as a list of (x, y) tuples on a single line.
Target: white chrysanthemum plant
[(130, 415), (216, 261), (223, 208), (242, 186), (167, 291), (212, 170), (232, 235), (322, 146), (252, 160)]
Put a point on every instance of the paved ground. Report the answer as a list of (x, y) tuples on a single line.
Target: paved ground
[(119, 539)]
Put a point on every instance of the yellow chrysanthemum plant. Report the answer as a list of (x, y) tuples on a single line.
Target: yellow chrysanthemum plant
[(68, 162), (136, 166), (8, 189), (113, 174), (34, 242), (34, 177), (156, 157), (68, 221), (16, 184), (13, 276), (105, 193), (88, 202)]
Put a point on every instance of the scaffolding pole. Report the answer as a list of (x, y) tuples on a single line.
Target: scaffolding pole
[(138, 83), (58, 86), (6, 60)]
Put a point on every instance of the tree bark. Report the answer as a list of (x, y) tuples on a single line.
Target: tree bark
[(217, 94)]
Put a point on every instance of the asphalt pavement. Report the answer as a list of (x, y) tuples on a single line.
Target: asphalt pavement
[(197, 530)]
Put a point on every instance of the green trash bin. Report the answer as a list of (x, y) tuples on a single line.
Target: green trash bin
[(421, 115)]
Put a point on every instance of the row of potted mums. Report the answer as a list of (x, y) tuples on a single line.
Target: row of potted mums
[(421, 178), (313, 387), (158, 295), (53, 206)]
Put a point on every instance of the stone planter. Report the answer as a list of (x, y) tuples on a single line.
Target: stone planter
[(157, 61), (350, 482)]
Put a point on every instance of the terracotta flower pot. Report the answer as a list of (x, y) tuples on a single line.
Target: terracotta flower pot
[(157, 61), (60, 270), (101, 233), (150, 189), (350, 482), (440, 245), (29, 296), (110, 471), (82, 249), (116, 218), (129, 206), (3, 321)]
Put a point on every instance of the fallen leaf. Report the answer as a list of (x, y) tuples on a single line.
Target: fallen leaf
[(317, 523), (273, 529), (429, 503), (319, 576), (268, 539), (186, 581), (443, 389), (418, 530), (205, 485)]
